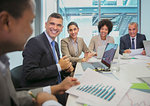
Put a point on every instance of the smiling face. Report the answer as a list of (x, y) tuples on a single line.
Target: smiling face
[(54, 27), (73, 31), (133, 29), (104, 31)]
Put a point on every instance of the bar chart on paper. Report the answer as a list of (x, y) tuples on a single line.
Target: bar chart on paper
[(99, 90)]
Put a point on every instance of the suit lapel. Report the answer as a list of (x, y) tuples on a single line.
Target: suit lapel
[(128, 41), (57, 50), (48, 45), (137, 41), (79, 46)]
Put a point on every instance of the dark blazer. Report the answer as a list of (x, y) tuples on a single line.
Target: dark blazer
[(8, 94), (39, 65), (125, 42)]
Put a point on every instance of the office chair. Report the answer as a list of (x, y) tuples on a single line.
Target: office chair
[(16, 76)]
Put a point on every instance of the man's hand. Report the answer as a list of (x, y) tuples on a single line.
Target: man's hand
[(143, 52), (70, 69), (87, 56), (43, 97), (64, 85), (127, 51), (64, 63)]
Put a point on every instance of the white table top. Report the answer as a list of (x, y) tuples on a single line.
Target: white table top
[(130, 70)]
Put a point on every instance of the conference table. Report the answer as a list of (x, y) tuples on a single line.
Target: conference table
[(131, 69)]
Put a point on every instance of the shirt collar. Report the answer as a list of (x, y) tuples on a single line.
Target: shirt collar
[(48, 37), (73, 40), (132, 37)]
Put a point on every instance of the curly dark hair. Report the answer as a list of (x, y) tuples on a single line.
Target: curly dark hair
[(106, 22)]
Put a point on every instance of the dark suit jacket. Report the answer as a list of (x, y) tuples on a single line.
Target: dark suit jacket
[(8, 95), (39, 65), (125, 42)]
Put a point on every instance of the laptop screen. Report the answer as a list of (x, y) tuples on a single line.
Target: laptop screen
[(147, 47), (109, 53)]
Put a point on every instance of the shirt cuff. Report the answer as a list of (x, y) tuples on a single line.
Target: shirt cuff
[(47, 89), (58, 67), (51, 103)]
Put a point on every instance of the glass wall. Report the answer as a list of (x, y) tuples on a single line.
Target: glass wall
[(87, 14)]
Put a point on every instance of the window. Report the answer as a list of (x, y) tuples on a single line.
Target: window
[(87, 14)]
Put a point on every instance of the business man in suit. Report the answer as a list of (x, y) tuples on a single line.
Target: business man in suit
[(133, 40), (15, 29), (73, 46), (40, 66)]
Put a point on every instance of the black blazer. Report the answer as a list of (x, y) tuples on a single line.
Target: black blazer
[(125, 42), (39, 65)]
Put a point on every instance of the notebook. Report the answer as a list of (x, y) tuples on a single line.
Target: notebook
[(106, 60), (147, 47)]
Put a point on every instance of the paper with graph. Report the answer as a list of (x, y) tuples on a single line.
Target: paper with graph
[(97, 89), (135, 98)]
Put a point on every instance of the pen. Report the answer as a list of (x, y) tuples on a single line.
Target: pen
[(30, 93)]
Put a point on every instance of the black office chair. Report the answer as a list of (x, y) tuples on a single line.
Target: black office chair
[(16, 76)]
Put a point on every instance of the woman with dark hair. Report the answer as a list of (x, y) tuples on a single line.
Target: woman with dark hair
[(104, 27), (73, 46)]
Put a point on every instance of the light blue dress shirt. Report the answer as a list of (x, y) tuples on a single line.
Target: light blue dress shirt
[(50, 40)]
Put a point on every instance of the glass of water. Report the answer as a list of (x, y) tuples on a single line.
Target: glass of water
[(115, 66)]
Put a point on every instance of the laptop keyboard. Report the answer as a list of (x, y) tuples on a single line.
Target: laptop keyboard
[(98, 65), (92, 65)]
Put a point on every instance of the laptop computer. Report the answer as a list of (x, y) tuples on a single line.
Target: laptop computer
[(101, 49), (147, 47), (106, 60)]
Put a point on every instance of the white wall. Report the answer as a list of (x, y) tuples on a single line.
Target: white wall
[(49, 6), (145, 18)]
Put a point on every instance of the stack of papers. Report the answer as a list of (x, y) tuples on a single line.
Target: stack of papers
[(98, 90)]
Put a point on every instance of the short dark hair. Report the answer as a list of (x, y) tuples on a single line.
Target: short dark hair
[(72, 23), (106, 22), (55, 15), (14, 7)]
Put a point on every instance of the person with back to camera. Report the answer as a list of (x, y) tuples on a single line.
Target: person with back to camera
[(132, 40), (73, 45), (15, 29), (104, 27)]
